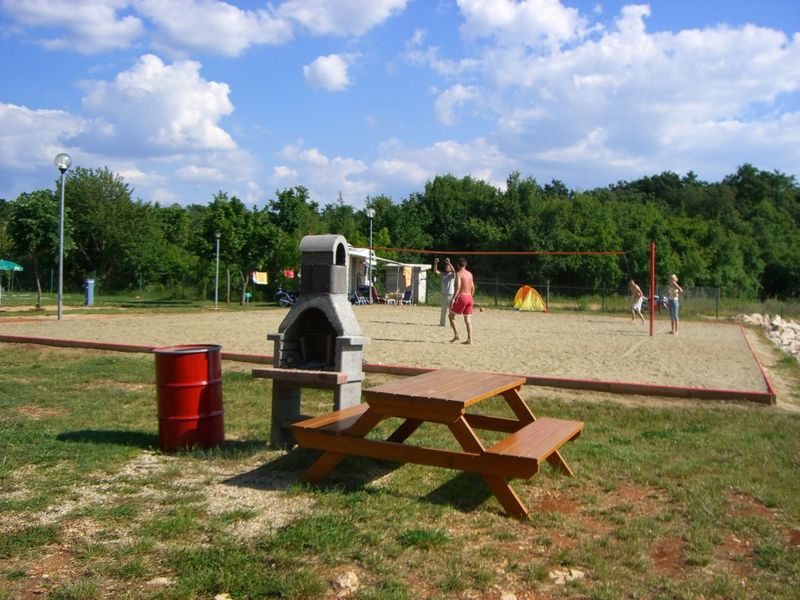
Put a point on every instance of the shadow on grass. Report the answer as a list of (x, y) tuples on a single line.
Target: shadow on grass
[(465, 491), (278, 474), (350, 475), (136, 439), (146, 441)]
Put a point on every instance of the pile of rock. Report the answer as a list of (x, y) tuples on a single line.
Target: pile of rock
[(784, 334)]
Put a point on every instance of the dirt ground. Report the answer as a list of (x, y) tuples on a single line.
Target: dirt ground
[(570, 345)]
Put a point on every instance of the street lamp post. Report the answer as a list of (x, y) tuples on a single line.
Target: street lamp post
[(216, 273), (62, 162), (371, 215)]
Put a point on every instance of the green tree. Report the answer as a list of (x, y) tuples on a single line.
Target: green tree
[(248, 240), (32, 227), (5, 242), (107, 228), (340, 219)]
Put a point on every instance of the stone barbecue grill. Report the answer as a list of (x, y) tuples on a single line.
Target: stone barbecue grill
[(319, 334)]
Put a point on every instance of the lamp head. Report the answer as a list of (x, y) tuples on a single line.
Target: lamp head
[(217, 234), (370, 212), (63, 162)]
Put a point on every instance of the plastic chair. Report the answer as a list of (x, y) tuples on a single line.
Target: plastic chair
[(406, 297)]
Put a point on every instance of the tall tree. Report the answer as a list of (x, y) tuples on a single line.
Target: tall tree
[(107, 226), (33, 230), (247, 239)]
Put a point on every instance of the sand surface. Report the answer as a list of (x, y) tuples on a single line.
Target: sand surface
[(583, 346)]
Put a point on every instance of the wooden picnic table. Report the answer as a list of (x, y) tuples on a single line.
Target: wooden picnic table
[(443, 397)]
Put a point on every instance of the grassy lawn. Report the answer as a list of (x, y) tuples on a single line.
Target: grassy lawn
[(673, 501)]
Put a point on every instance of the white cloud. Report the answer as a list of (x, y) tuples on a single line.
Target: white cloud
[(620, 101), (416, 54), (136, 177), (328, 73), (528, 22), (158, 108), (164, 196), (324, 177), (407, 172), (396, 167), (414, 166), (213, 26), (30, 139), (340, 17), (452, 98), (184, 26), (90, 26), (281, 172), (201, 173)]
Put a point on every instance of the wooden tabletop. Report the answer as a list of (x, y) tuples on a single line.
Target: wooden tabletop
[(446, 386)]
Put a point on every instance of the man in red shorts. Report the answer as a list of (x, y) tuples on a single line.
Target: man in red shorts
[(461, 304)]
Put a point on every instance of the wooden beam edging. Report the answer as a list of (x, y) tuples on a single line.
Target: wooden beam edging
[(647, 389), (596, 385), (613, 387), (85, 344), (771, 388)]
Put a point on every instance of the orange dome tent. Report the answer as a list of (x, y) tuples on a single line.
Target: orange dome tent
[(528, 298)]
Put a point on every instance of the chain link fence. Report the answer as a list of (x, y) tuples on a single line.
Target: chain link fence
[(701, 302)]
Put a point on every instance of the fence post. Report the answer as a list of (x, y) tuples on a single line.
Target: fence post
[(603, 309), (547, 295), (718, 298), (496, 288)]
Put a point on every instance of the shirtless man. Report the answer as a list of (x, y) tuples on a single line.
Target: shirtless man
[(462, 300)]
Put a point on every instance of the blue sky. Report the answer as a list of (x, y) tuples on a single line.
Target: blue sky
[(358, 98)]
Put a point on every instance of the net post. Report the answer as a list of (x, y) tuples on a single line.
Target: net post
[(652, 285)]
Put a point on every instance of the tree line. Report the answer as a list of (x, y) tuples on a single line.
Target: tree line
[(740, 234)]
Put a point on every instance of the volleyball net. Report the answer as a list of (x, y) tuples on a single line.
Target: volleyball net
[(498, 275)]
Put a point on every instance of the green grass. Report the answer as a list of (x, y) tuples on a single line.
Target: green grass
[(675, 501)]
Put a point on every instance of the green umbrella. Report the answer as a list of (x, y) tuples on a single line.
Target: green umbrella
[(7, 265)]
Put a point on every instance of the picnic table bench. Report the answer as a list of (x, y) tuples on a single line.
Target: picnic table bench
[(443, 397)]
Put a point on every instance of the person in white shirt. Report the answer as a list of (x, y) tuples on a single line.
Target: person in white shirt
[(448, 287), (637, 298)]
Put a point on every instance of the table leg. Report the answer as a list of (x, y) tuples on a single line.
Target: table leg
[(322, 466), (328, 461), (558, 462), (497, 484), (506, 496), (517, 404), (402, 433)]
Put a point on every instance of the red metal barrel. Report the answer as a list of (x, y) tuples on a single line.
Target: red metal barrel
[(189, 386)]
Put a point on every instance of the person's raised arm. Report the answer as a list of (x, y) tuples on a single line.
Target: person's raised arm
[(436, 266)]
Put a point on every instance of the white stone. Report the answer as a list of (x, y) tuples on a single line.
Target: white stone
[(346, 583), (784, 334), (563, 576)]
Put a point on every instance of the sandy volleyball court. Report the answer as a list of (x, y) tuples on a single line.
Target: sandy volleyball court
[(570, 345)]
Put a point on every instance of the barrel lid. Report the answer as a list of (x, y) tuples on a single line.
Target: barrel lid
[(187, 349)]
